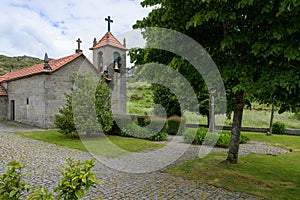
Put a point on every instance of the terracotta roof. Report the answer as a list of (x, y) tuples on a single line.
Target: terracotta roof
[(112, 42), (39, 68), (2, 91)]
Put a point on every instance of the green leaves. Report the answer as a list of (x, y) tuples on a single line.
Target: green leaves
[(11, 183), (77, 179), (88, 108)]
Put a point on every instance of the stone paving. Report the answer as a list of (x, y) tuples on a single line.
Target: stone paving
[(43, 160)]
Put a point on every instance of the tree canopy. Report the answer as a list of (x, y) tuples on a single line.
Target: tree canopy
[(255, 45)]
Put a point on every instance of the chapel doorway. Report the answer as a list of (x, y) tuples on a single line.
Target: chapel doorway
[(12, 110)]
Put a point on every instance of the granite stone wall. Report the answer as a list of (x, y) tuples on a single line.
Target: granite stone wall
[(3, 108), (38, 98), (28, 96), (60, 83)]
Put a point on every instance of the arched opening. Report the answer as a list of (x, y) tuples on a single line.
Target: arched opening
[(117, 61), (100, 61)]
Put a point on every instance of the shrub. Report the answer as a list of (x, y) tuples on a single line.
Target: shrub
[(77, 179), (224, 140), (278, 128), (160, 136), (84, 98), (134, 130), (244, 139), (152, 129), (40, 194), (201, 136), (65, 121), (194, 136), (174, 127), (11, 183)]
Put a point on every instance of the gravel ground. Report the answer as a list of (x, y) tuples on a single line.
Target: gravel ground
[(43, 160)]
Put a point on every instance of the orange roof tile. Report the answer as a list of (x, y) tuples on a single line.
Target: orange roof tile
[(112, 42), (39, 68), (2, 91)]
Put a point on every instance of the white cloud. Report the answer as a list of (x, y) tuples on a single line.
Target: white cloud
[(33, 27)]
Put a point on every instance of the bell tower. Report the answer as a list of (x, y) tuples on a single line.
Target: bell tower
[(109, 57)]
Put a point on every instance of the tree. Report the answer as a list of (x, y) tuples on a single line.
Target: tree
[(88, 108), (255, 45)]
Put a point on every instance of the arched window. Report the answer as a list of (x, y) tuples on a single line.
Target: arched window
[(117, 61), (100, 61)]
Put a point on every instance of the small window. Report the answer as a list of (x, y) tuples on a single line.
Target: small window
[(27, 101)]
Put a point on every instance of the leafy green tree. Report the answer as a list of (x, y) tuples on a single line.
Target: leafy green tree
[(65, 120), (88, 108), (255, 45)]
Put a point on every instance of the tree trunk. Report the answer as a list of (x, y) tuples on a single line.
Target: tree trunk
[(236, 129)]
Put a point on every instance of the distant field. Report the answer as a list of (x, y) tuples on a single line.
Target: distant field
[(139, 96)]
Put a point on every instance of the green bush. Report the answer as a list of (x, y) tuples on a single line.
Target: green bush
[(194, 136), (77, 179), (140, 127), (134, 130), (11, 183), (84, 98), (65, 120), (160, 136), (278, 128), (197, 137), (173, 125)]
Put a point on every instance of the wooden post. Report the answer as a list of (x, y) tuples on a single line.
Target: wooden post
[(211, 111), (271, 120)]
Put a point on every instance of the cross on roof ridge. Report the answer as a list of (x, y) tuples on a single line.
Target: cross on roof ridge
[(109, 21)]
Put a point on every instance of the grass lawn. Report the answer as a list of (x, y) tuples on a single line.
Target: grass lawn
[(276, 177), (111, 146)]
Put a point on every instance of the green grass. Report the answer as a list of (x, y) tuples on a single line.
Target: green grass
[(276, 177), (111, 146), (258, 117), (139, 96)]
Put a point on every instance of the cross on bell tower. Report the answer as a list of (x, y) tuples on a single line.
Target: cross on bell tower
[(109, 21), (78, 50)]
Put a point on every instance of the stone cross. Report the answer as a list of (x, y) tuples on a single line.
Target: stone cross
[(78, 41), (109, 21)]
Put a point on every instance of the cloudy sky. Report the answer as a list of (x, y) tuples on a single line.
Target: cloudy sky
[(33, 27)]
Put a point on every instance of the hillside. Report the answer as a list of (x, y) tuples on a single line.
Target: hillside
[(17, 62)]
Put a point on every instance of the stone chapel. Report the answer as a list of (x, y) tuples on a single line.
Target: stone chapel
[(35, 94)]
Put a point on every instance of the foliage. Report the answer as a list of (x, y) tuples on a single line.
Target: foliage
[(65, 120), (91, 105), (77, 179), (11, 183), (160, 136), (40, 194), (17, 62), (164, 97), (201, 136), (88, 108), (253, 43), (278, 128), (176, 125), (151, 133), (142, 105)]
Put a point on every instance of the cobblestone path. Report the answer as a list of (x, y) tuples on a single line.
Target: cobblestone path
[(43, 160)]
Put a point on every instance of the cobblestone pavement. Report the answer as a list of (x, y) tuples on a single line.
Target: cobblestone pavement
[(42, 163)]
